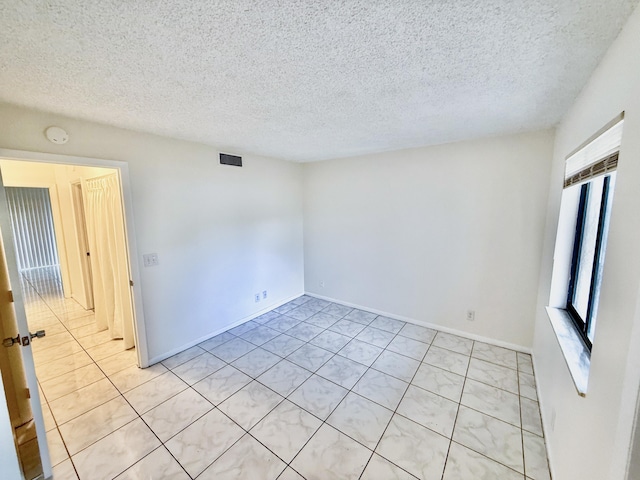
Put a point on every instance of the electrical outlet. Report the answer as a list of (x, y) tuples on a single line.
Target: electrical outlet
[(471, 315), (321, 283), (257, 297), (150, 259), (264, 294)]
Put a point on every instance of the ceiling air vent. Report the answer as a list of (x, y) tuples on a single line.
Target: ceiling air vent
[(230, 160)]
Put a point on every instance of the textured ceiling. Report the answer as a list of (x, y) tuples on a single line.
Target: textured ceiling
[(308, 79)]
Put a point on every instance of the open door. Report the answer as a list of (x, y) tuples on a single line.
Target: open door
[(83, 243), (20, 389)]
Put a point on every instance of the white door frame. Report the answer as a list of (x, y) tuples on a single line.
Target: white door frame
[(134, 270)]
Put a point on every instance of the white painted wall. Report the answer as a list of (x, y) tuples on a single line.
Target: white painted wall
[(429, 233), (8, 453), (591, 436), (222, 233)]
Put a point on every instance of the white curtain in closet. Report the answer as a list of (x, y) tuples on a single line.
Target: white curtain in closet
[(105, 224)]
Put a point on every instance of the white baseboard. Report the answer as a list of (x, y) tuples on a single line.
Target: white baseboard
[(171, 353), (453, 331)]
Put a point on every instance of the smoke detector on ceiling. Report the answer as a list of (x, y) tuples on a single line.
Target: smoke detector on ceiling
[(57, 135)]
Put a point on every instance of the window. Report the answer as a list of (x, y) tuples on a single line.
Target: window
[(590, 180), (589, 245)]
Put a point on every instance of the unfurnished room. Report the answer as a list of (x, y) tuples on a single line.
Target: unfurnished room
[(316, 240)]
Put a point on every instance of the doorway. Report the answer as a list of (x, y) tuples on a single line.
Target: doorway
[(74, 360)]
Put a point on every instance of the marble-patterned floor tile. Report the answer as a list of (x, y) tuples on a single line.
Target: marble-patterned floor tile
[(82, 400), (342, 371), (347, 327), (57, 451), (331, 455), (444, 383), (361, 352), (489, 436), (290, 474), (429, 410), (158, 465), (69, 382), (134, 376), (318, 396), (337, 310), (250, 404), (216, 341), (116, 452), (99, 422), (54, 353), (201, 443), (447, 360), (49, 422), (64, 471), (535, 457), (396, 365), (265, 317), (375, 336), (220, 385), (285, 308), (310, 357), (525, 364), (322, 320), (286, 429), (260, 335), (173, 415), (418, 332), (184, 356), (387, 324), (246, 459), (283, 323), (256, 362), (331, 341), (304, 331), (414, 448), (317, 303), (531, 416), (244, 328), (528, 386), (492, 401), (105, 350), (47, 371), (95, 339), (494, 354), (465, 464), (494, 375), (283, 345), (454, 343), (380, 468), (284, 377), (232, 350), (408, 347), (303, 312), (381, 388), (360, 316), (361, 419), (197, 368), (116, 363), (152, 393)]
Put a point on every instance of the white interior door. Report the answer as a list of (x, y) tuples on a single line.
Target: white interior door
[(23, 330)]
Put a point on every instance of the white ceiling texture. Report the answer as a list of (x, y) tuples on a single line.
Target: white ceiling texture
[(306, 80)]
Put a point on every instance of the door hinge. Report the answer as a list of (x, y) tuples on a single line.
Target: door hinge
[(10, 294), (28, 393), (131, 283)]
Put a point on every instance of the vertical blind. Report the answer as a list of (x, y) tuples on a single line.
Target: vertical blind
[(32, 222)]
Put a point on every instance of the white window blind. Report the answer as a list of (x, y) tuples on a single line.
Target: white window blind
[(597, 157)]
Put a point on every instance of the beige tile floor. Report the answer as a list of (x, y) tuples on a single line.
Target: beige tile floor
[(310, 390)]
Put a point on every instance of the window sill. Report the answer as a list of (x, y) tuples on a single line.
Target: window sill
[(575, 352)]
